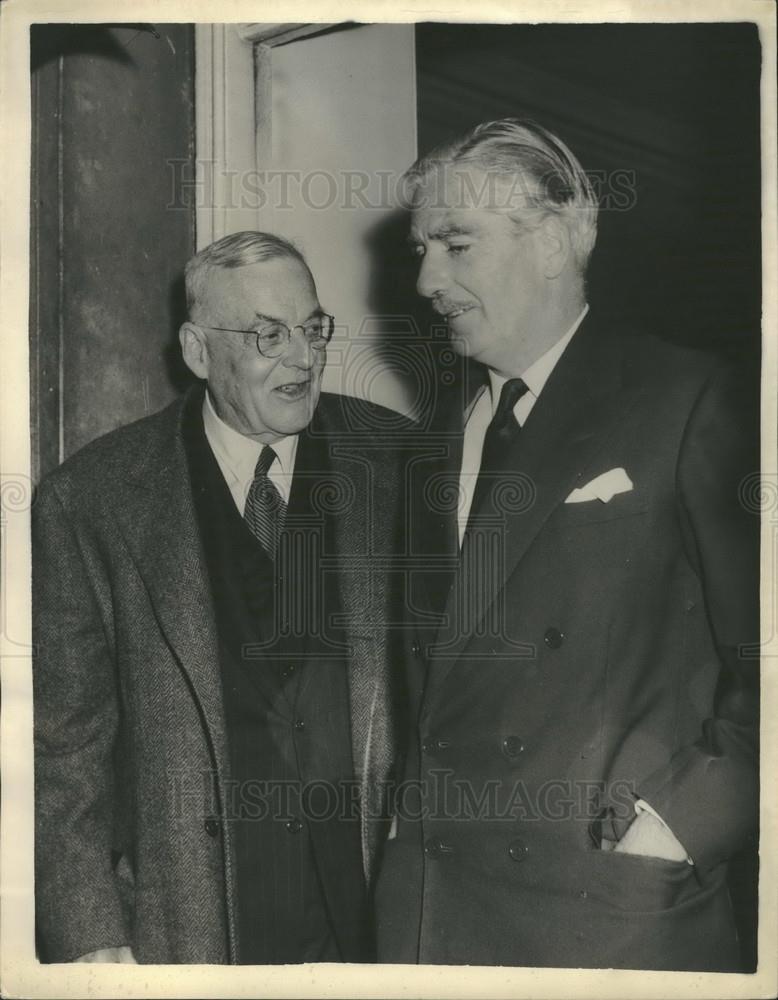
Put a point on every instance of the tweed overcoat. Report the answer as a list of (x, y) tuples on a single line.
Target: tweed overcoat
[(127, 692)]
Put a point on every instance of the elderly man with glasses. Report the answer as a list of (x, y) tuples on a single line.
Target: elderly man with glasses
[(213, 706)]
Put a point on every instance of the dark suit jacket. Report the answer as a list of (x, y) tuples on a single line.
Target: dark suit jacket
[(131, 749), (591, 653)]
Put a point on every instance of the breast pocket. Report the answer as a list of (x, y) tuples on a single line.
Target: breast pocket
[(597, 512)]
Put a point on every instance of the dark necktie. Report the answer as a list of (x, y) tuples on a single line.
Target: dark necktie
[(501, 434), (265, 507)]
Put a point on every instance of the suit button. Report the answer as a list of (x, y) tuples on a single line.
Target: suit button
[(212, 827), (288, 670), (294, 826), (518, 850), (430, 745), (299, 725), (512, 746), (553, 638), (435, 848), (416, 649)]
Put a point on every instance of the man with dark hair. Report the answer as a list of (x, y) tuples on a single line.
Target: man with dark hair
[(585, 760), (213, 706)]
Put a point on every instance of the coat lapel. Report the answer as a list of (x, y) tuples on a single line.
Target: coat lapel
[(569, 424), (362, 531), (160, 526)]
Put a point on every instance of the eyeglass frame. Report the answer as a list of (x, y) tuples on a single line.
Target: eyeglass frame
[(289, 329)]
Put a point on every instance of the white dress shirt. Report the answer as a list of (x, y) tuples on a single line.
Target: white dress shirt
[(484, 408), (237, 456)]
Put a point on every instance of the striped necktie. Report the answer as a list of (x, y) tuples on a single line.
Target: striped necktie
[(265, 507)]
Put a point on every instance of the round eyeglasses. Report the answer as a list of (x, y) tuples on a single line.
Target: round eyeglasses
[(272, 337)]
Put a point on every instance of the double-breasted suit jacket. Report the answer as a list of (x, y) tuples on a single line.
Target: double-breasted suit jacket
[(128, 693), (589, 654)]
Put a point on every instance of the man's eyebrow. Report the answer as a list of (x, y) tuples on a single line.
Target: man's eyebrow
[(264, 318), (443, 232)]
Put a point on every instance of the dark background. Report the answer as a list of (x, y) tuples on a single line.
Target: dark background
[(677, 106)]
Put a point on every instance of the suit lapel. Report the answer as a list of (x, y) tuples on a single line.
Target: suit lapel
[(582, 400), (434, 536), (433, 529)]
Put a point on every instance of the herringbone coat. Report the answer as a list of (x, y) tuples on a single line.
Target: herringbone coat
[(127, 686)]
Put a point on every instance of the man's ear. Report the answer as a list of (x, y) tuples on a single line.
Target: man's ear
[(194, 348), (557, 246)]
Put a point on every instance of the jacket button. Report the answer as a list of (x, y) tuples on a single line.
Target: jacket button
[(518, 850), (553, 638), (294, 826), (416, 649), (512, 746), (430, 745), (212, 827), (288, 670), (299, 725), (435, 848)]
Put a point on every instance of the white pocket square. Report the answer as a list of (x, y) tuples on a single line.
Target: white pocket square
[(603, 488)]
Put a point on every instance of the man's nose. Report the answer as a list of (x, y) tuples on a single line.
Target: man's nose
[(299, 353), (432, 278)]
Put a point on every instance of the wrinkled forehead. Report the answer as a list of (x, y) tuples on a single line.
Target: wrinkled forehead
[(457, 187), (430, 224), (277, 287)]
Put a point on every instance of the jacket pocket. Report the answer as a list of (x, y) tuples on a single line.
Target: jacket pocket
[(640, 884)]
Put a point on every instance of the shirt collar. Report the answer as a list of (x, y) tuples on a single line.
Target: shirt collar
[(238, 453), (538, 373)]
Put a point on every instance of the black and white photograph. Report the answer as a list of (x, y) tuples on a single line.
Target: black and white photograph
[(389, 500)]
